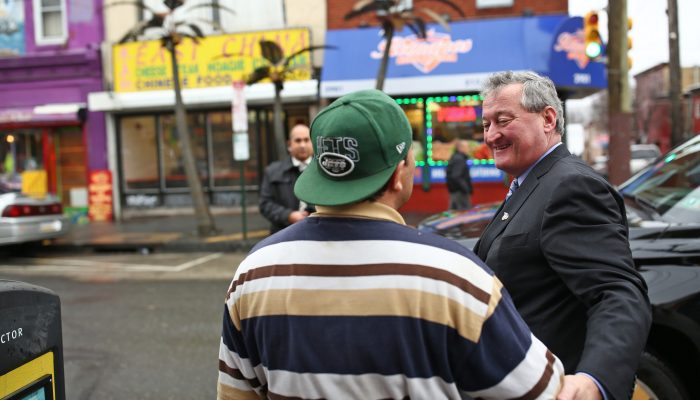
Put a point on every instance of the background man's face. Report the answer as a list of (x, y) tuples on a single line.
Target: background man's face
[(300, 143)]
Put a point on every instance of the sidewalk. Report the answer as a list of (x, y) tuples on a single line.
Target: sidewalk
[(174, 231)]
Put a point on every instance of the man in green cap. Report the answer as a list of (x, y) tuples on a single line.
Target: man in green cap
[(352, 303)]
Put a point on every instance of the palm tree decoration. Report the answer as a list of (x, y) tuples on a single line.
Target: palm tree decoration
[(278, 69), (172, 32), (393, 16)]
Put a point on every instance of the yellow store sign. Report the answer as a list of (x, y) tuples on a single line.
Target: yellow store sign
[(214, 61)]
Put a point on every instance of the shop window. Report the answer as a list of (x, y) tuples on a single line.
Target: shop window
[(20, 152), (139, 153), (171, 151), (50, 25), (401, 5), (415, 113), (197, 11), (252, 15), (449, 118), (493, 3), (246, 15), (227, 171)]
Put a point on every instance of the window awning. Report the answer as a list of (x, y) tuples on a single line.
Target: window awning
[(460, 60), (45, 114), (261, 93)]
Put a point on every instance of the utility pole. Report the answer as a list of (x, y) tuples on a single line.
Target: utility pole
[(619, 103), (674, 66)]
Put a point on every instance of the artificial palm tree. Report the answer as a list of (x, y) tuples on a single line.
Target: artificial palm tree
[(172, 32), (277, 70), (393, 16)]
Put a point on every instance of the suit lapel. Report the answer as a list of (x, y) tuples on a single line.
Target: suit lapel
[(509, 209)]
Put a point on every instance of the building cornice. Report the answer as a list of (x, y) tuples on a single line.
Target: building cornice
[(84, 63)]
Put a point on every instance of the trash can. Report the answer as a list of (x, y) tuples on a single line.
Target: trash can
[(31, 345)]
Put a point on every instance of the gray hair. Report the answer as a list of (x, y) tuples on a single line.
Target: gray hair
[(538, 92)]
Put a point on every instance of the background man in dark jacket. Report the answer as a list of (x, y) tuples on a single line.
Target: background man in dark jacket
[(277, 200), (459, 183)]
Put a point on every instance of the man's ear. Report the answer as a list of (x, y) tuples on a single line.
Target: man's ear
[(550, 119), (395, 182)]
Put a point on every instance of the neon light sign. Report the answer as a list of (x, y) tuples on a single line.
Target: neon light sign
[(456, 114)]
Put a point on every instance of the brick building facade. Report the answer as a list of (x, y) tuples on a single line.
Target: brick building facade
[(337, 9), (652, 105)]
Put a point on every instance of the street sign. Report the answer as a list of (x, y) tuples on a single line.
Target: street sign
[(239, 107), (241, 151)]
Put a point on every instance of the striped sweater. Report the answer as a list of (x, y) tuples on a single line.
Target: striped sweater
[(348, 308)]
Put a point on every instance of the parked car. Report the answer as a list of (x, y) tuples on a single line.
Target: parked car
[(28, 219), (641, 155), (663, 210)]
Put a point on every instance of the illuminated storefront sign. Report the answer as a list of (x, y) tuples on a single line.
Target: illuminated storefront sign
[(457, 114), (424, 54), (568, 64), (214, 61), (459, 61), (485, 171)]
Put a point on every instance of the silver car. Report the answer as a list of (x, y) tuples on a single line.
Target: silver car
[(27, 219)]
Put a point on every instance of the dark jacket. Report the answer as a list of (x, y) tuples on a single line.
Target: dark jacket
[(457, 174), (277, 198), (560, 247)]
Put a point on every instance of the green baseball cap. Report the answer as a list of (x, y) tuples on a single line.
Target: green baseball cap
[(358, 141)]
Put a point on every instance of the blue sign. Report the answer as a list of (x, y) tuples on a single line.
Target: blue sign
[(569, 65), (478, 173), (458, 60)]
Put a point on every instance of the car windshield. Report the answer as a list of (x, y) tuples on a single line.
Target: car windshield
[(10, 183), (671, 186), (644, 154)]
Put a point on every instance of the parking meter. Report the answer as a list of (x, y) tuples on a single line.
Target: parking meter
[(31, 346)]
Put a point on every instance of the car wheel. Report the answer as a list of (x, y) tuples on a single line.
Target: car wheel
[(656, 381)]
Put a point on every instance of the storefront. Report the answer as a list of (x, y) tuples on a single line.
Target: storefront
[(437, 82), (49, 143), (49, 62), (145, 153), (42, 153)]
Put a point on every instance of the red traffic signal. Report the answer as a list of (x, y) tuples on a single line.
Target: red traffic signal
[(593, 44)]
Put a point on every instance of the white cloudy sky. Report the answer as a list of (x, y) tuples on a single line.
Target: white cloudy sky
[(650, 31)]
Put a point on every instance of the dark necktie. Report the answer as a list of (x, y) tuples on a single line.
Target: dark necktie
[(513, 187)]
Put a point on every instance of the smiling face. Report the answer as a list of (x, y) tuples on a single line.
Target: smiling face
[(516, 136)]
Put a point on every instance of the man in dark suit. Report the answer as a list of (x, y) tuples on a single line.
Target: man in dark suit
[(277, 200), (560, 243), (459, 182)]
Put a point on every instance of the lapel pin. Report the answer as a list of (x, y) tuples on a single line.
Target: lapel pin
[(505, 216)]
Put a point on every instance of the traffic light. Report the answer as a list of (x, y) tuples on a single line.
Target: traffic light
[(593, 44)]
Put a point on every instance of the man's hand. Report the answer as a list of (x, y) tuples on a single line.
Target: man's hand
[(296, 216), (579, 387)]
